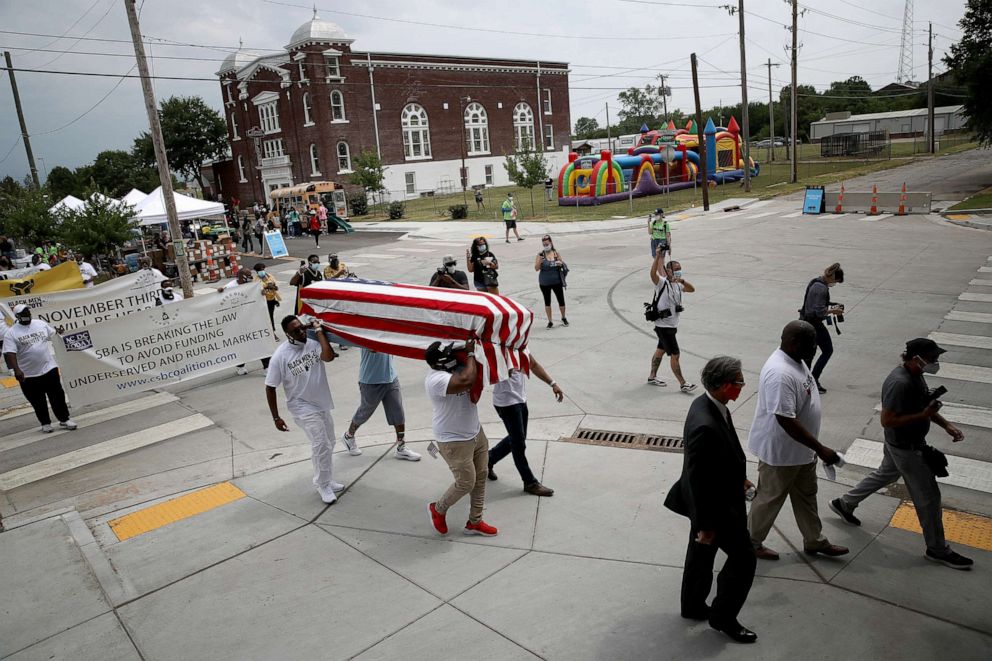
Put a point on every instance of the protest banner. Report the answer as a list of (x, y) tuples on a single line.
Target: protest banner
[(164, 345), (58, 278), (78, 308), (17, 274)]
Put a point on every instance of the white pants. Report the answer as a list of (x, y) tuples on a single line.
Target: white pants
[(319, 428)]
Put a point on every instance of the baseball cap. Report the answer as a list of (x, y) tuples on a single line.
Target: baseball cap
[(922, 346), (448, 259), (18, 309)]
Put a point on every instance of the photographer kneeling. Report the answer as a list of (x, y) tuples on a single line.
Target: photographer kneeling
[(665, 308), (448, 276), (818, 310)]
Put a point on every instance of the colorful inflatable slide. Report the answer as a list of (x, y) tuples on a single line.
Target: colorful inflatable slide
[(661, 161)]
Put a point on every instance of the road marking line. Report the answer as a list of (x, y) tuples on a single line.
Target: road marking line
[(89, 419), (793, 215), (176, 509), (968, 529), (980, 283), (94, 453), (972, 373), (760, 215), (875, 219), (427, 250), (967, 473), (985, 269), (979, 298), (964, 414), (975, 317), (973, 341), (445, 244), (373, 255)]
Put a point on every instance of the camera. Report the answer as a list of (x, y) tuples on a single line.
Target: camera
[(678, 308), (840, 316), (441, 270)]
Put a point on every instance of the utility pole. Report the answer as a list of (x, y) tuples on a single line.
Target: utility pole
[(745, 124), (164, 174), (664, 91), (931, 141), (699, 135), (771, 113), (20, 117), (609, 139), (794, 176)]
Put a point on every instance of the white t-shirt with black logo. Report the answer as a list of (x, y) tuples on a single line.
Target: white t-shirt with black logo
[(32, 344), (300, 371), (511, 391), (88, 272), (456, 418), (671, 295)]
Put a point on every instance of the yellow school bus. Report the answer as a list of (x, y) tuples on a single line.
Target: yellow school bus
[(305, 197)]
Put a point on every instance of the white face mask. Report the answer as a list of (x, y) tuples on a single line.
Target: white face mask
[(450, 268), (930, 368), (483, 248), (677, 274), (831, 284), (547, 247)]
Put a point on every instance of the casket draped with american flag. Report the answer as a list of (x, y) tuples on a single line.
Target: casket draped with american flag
[(403, 320)]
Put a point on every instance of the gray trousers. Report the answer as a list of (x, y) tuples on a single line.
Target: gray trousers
[(922, 487)]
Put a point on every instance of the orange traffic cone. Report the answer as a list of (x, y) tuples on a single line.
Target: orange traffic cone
[(874, 201), (902, 201), (840, 200)]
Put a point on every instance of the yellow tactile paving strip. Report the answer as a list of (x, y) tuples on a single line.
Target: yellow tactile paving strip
[(968, 529), (177, 509), (8, 382)]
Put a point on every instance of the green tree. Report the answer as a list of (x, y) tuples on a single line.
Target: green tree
[(99, 227), (971, 61), (527, 168), (369, 173), (24, 215), (193, 133), (116, 172), (808, 108), (639, 106), (62, 181), (585, 127)]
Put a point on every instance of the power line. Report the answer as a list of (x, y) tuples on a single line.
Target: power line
[(68, 29), (92, 27), (94, 106)]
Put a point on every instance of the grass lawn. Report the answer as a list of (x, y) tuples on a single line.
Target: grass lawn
[(982, 200), (772, 181)]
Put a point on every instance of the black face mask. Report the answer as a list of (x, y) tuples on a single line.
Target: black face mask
[(334, 263), (24, 319)]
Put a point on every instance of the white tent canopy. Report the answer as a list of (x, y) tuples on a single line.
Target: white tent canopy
[(67, 203), (151, 210), (134, 197)]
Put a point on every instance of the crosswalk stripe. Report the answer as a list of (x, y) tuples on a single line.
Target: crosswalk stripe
[(985, 269), (875, 219), (793, 215), (100, 451), (760, 215), (374, 255), (958, 340), (443, 244), (426, 250), (92, 418), (980, 283), (963, 414), (979, 298), (972, 373), (975, 317), (963, 472)]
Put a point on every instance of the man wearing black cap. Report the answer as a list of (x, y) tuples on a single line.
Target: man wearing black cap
[(908, 408)]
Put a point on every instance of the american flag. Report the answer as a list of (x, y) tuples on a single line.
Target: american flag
[(403, 320)]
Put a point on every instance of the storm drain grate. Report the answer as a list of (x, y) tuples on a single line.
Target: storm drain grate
[(626, 440)]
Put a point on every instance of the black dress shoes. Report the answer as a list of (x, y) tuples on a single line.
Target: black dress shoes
[(736, 631)]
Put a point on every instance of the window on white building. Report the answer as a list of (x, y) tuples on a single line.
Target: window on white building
[(489, 175), (547, 101), (549, 137), (337, 106), (234, 127), (268, 115), (411, 183), (416, 132), (272, 148), (476, 129), (314, 160), (241, 169), (344, 157), (307, 109), (333, 67), (523, 126)]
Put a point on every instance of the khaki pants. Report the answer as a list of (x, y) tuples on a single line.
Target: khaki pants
[(774, 484), (469, 463)]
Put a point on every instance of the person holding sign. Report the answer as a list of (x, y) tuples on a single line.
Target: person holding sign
[(27, 350), (297, 365)]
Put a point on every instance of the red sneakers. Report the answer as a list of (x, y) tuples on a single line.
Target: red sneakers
[(480, 528), (438, 521)]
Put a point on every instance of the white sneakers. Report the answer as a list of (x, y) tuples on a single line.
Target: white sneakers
[(403, 452), (327, 495), (351, 444), (336, 486), (242, 371), (68, 424), (47, 429)]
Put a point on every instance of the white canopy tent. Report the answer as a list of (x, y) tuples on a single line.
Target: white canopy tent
[(151, 210), (134, 197), (67, 203)]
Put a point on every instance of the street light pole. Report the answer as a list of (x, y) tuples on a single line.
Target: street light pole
[(463, 101)]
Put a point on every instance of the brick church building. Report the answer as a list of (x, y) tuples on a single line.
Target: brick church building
[(303, 114)]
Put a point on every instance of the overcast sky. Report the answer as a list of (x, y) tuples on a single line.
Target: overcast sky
[(610, 44)]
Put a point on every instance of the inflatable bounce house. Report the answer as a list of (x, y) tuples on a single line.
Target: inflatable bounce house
[(661, 161)]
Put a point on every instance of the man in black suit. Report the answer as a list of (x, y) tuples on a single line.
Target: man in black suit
[(711, 492)]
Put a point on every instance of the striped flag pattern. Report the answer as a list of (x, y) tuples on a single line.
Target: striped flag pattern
[(403, 320)]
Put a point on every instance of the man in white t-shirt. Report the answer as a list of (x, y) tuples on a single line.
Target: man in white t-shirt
[(39, 263), (298, 366), (243, 277), (86, 270), (510, 400), (784, 438), (27, 348), (669, 287), (458, 434)]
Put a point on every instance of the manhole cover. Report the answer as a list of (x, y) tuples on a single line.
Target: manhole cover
[(626, 440)]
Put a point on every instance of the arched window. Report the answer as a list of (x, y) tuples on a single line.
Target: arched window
[(337, 106), (314, 160), (523, 126), (344, 157), (307, 109), (416, 132), (477, 129), (241, 169), (234, 127)]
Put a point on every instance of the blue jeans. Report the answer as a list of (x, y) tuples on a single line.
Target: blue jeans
[(515, 420)]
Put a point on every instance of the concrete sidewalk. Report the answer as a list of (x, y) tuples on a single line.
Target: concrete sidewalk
[(592, 573)]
